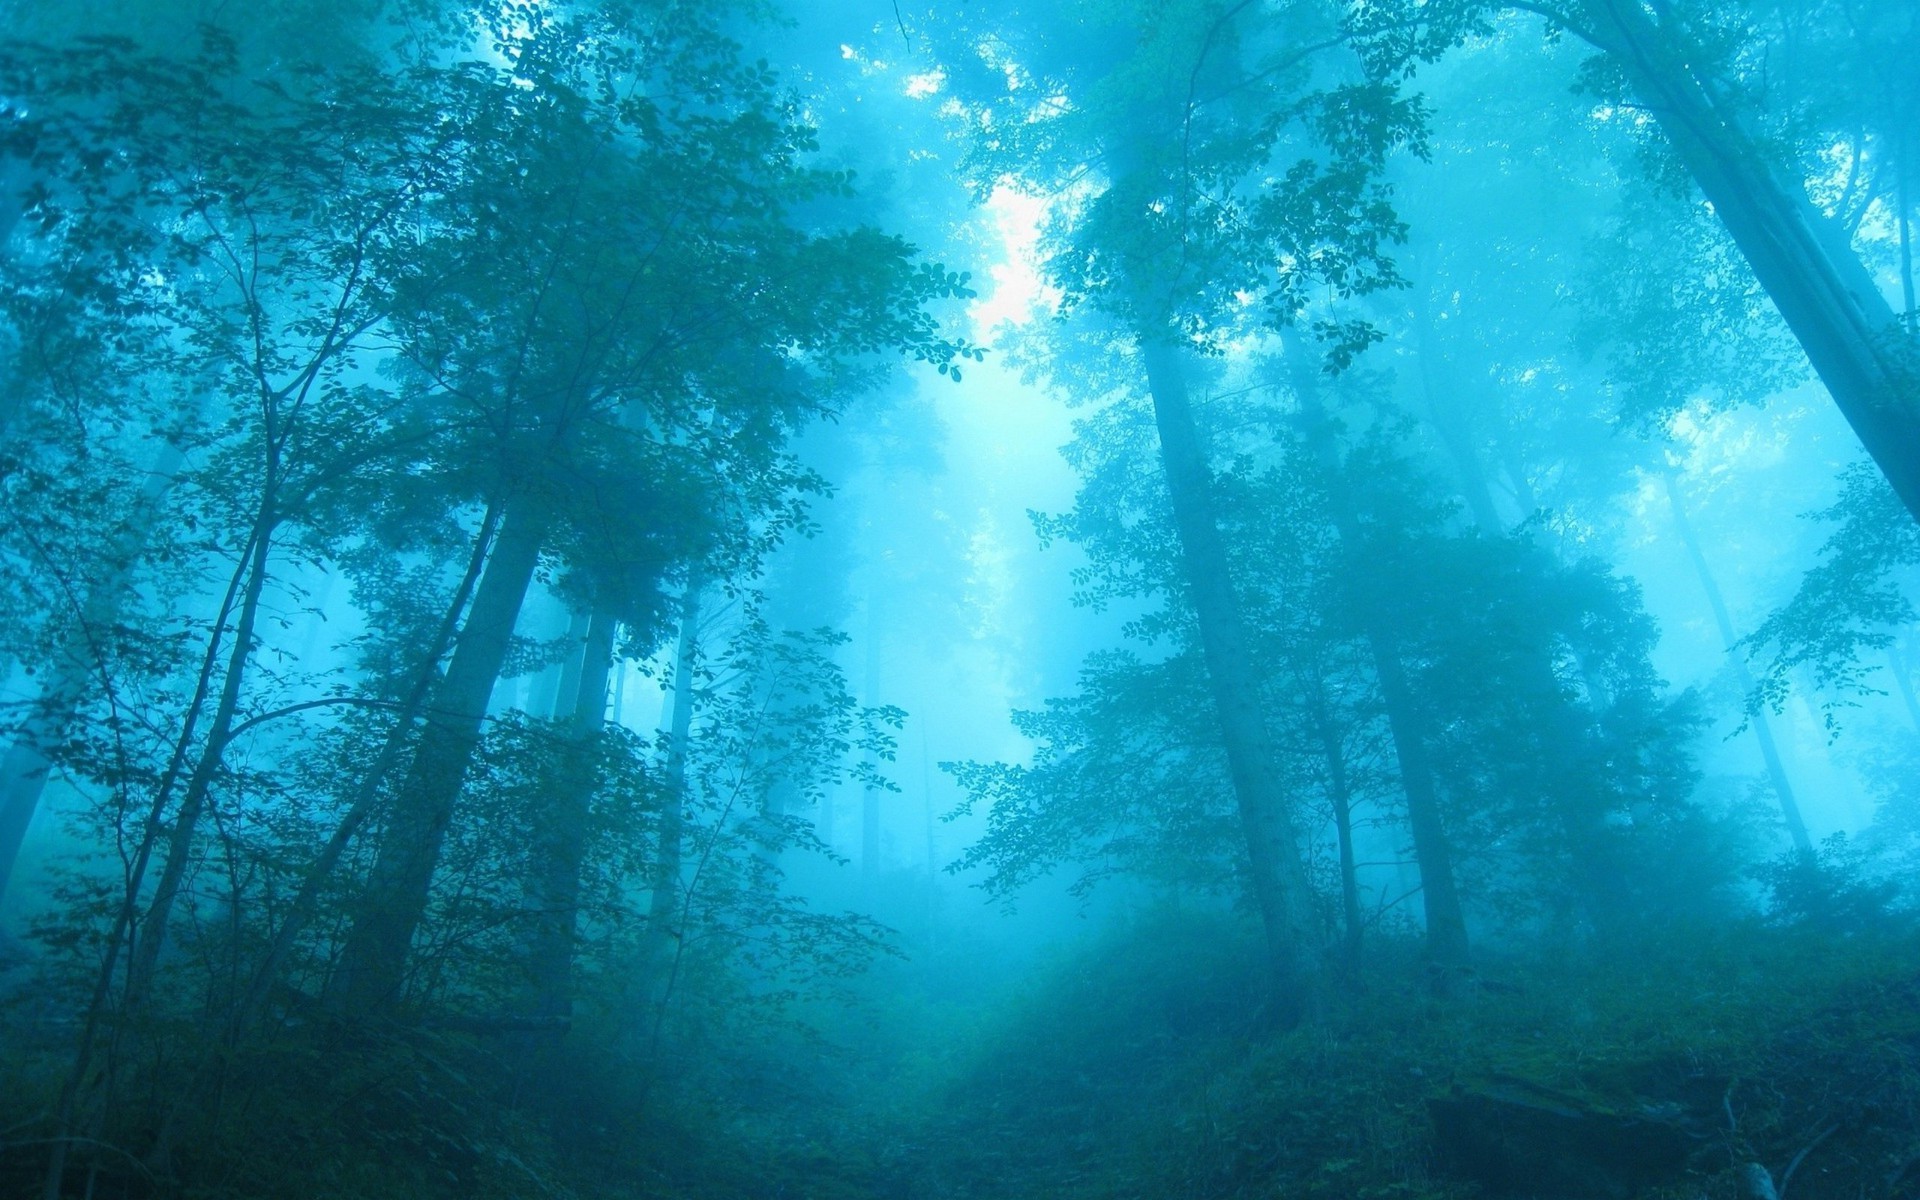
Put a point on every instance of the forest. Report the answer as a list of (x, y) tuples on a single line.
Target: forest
[(885, 600)]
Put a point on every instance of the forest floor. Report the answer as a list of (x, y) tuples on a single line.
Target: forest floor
[(1664, 1070), (1128, 1068)]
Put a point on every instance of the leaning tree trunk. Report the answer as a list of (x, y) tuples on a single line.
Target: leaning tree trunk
[(152, 935), (225, 1030), (1278, 874), (1806, 264), (373, 962)]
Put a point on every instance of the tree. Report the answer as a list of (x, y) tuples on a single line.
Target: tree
[(677, 245), (1229, 165), (1701, 72)]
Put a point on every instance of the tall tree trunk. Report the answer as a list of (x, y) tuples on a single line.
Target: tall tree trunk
[(560, 834), (1903, 683), (373, 962), (306, 902), (1446, 933), (1806, 264), (660, 947), (1447, 950), (1440, 386), (1762, 728), (869, 794), (1558, 729), (1340, 795), (73, 677), (1278, 874), (179, 846)]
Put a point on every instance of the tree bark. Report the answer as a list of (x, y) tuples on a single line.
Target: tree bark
[(1809, 269), (374, 960), (1278, 874)]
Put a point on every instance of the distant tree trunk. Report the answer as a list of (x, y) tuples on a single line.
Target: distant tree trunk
[(1762, 728), (74, 673), (560, 833), (824, 825), (661, 942), (1441, 389), (1558, 729), (1903, 683), (1824, 292), (576, 657), (869, 794), (1446, 933), (373, 961), (933, 855), (1906, 242), (1278, 874), (1447, 950), (1340, 795)]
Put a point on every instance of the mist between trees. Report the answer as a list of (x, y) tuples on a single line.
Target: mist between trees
[(1177, 599)]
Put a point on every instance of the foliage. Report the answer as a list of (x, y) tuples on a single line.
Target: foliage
[(1848, 605), (1835, 889)]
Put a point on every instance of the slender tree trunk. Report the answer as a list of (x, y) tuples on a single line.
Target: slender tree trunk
[(1340, 795), (579, 655), (1278, 874), (25, 766), (374, 960), (1906, 244), (1903, 683), (1447, 950), (120, 934), (1762, 728), (933, 855), (870, 795), (663, 904), (179, 847), (560, 837), (1441, 388), (306, 901), (1446, 932), (1824, 292)]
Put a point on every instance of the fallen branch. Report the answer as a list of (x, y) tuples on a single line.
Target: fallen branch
[(1786, 1176)]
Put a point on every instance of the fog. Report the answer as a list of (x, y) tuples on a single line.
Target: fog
[(1097, 600)]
